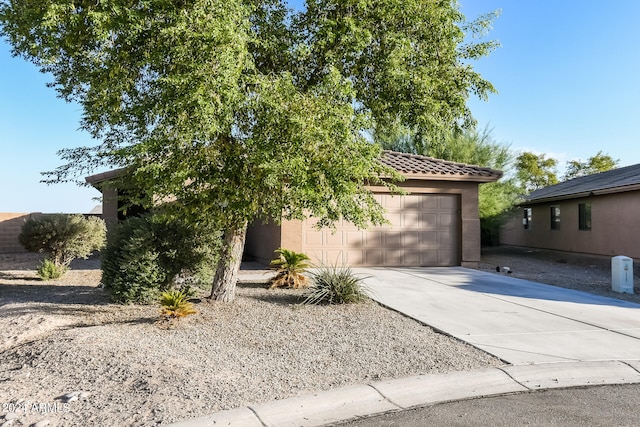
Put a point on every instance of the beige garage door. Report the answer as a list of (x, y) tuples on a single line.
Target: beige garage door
[(424, 231)]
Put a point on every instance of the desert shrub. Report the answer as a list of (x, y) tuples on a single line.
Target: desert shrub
[(175, 304), (63, 238), (145, 255), (336, 285), (291, 267), (48, 270)]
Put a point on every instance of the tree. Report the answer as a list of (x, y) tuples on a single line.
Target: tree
[(245, 109), (535, 171), (595, 164), (63, 237), (476, 147)]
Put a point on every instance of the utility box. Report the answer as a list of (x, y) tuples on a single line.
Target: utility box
[(622, 274)]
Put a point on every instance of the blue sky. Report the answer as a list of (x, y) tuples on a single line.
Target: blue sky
[(568, 76)]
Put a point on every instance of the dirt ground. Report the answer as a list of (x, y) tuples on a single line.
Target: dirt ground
[(588, 273), (70, 357)]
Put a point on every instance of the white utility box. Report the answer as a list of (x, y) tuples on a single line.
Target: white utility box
[(622, 274)]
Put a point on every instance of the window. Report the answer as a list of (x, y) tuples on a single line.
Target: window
[(526, 220), (584, 216), (555, 217)]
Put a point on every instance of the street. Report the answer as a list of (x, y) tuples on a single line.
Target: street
[(593, 406)]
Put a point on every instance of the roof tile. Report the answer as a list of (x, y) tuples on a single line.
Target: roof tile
[(430, 168)]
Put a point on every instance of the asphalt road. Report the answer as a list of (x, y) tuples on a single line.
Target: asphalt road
[(594, 406)]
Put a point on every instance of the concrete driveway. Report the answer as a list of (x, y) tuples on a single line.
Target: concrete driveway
[(516, 320)]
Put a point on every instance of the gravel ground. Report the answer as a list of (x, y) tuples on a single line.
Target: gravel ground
[(124, 367), (588, 273), (70, 357)]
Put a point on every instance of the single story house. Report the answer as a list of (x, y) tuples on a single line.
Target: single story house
[(435, 224), (594, 214)]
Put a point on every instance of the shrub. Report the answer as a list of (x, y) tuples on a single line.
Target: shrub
[(291, 267), (63, 237), (48, 270), (175, 305), (336, 285), (145, 255)]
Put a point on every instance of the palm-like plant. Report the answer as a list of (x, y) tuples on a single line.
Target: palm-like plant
[(175, 305), (291, 266)]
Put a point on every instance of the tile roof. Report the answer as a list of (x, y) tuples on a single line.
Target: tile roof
[(422, 167), (410, 165), (615, 180)]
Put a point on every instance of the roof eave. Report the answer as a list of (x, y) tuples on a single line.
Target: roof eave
[(451, 177)]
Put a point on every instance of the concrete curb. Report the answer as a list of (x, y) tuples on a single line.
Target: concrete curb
[(351, 402)]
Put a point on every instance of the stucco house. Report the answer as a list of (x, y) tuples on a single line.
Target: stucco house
[(594, 214), (436, 224)]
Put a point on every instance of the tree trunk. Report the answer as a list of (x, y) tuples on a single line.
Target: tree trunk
[(224, 282)]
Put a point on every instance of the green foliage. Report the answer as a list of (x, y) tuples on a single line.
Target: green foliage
[(595, 164), (336, 285), (291, 267), (145, 254), (535, 171), (470, 147), (175, 304), (241, 109), (63, 237), (48, 270)]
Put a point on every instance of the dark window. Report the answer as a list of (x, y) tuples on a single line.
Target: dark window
[(584, 216), (526, 220), (555, 217)]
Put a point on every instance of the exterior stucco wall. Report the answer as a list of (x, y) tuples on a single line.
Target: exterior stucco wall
[(615, 226), (110, 207)]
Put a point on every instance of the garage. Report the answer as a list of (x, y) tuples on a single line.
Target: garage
[(424, 230), (435, 223)]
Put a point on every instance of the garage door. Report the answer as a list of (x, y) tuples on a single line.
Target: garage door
[(424, 231)]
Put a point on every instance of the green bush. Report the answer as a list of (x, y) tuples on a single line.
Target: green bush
[(336, 285), (63, 237), (48, 270), (145, 255)]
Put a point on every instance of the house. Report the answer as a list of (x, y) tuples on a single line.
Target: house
[(594, 214), (435, 224)]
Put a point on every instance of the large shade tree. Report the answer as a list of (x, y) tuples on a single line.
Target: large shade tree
[(243, 108)]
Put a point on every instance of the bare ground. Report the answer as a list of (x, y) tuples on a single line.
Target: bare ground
[(127, 368), (61, 337), (588, 273)]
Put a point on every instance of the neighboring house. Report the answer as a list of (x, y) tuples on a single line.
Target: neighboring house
[(594, 214), (436, 224)]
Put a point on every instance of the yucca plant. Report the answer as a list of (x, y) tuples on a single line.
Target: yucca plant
[(175, 305), (291, 267), (336, 285)]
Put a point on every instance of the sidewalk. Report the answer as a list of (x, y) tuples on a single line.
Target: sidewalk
[(551, 337)]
